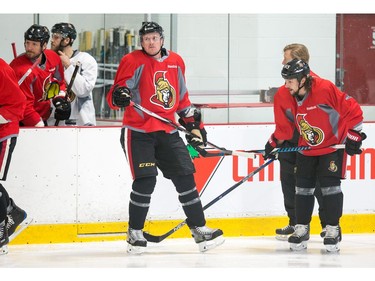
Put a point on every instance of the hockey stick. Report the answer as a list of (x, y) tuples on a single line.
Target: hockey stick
[(295, 149), (68, 90), (203, 152), (27, 73), (156, 239), (14, 49), (25, 224)]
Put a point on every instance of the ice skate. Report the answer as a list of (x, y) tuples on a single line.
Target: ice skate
[(15, 217), (136, 242), (332, 238), (283, 233), (298, 240), (207, 238), (4, 240)]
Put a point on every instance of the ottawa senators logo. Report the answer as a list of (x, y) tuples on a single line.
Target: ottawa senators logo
[(51, 88), (312, 135), (332, 166), (165, 94)]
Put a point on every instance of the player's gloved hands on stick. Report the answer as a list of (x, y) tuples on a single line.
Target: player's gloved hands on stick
[(354, 142), (271, 144), (195, 125), (121, 96), (199, 140), (62, 108)]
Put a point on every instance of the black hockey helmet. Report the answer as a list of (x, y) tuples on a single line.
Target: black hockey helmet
[(37, 33), (295, 69), (149, 27), (65, 29)]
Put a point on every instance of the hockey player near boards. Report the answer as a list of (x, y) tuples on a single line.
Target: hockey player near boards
[(44, 87), (82, 105), (12, 106), (155, 78), (324, 116), (284, 105)]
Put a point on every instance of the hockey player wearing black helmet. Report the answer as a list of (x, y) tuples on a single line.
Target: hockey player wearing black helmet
[(80, 96), (65, 31), (324, 116), (152, 39), (155, 77), (301, 71), (36, 33), (46, 80)]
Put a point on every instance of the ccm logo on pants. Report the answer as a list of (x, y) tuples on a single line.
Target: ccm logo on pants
[(142, 165)]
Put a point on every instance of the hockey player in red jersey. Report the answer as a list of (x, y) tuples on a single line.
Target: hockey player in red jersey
[(284, 105), (324, 116), (12, 106), (155, 78), (46, 81)]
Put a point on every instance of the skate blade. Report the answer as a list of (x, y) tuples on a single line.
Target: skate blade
[(333, 248), (25, 224), (209, 245), (281, 237), (135, 250), (4, 250), (298, 246)]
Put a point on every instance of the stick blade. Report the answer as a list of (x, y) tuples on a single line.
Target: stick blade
[(152, 238)]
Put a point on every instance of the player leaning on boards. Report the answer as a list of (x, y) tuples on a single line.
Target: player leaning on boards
[(12, 106), (324, 116), (155, 78), (82, 105)]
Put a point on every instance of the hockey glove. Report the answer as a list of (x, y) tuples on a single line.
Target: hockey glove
[(62, 108), (195, 125), (271, 144), (354, 142), (121, 96)]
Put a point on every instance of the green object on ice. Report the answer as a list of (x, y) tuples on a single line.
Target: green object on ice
[(193, 153)]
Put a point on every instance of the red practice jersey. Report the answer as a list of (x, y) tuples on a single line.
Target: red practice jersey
[(12, 102), (50, 70), (322, 118), (158, 85)]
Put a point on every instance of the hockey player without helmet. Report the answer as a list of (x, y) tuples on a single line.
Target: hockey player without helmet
[(37, 33), (150, 27), (295, 69), (65, 29)]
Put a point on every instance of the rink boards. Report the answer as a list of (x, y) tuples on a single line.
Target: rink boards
[(75, 184)]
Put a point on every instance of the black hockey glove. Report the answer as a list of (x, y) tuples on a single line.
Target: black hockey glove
[(195, 125), (62, 108), (354, 142), (271, 144), (121, 96)]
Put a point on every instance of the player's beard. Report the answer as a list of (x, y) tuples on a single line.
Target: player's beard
[(32, 55), (58, 48), (61, 48)]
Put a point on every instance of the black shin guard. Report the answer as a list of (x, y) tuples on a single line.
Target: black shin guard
[(140, 199), (304, 208), (288, 184), (190, 200), (333, 204)]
